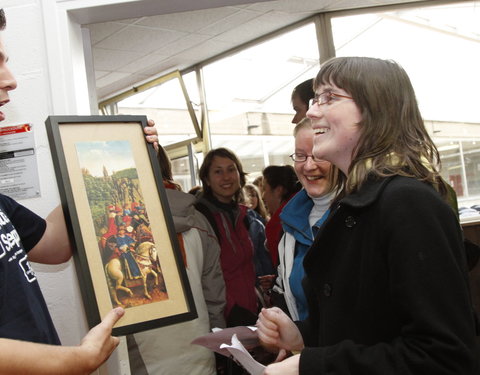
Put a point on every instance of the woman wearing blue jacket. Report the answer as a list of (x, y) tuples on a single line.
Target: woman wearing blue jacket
[(301, 217)]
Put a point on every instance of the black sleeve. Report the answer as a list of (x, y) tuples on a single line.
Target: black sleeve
[(29, 226)]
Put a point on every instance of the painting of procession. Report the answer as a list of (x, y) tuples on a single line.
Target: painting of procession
[(122, 225)]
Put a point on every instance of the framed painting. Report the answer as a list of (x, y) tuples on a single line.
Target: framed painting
[(126, 249)]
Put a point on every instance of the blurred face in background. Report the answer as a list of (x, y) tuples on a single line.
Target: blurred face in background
[(223, 178), (251, 199), (300, 108), (272, 197)]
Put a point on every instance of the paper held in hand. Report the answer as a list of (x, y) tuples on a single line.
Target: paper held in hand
[(242, 339), (241, 355)]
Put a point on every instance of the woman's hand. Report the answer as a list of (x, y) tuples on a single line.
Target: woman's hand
[(289, 366), (277, 331)]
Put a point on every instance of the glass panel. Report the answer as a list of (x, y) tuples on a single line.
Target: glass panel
[(452, 165), (439, 38), (471, 158), (256, 152), (439, 47), (167, 106), (190, 81), (248, 96), (182, 173)]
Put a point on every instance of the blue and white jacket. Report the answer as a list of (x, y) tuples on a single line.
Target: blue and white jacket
[(297, 239)]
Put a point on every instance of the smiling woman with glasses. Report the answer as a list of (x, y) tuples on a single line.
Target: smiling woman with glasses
[(301, 218), (385, 278)]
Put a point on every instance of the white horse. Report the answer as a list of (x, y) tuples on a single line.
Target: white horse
[(147, 258), (113, 270), (120, 276)]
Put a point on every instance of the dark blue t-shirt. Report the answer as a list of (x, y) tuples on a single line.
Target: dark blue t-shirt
[(23, 311)]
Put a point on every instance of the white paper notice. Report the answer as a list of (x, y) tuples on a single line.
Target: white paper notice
[(18, 162), (238, 351)]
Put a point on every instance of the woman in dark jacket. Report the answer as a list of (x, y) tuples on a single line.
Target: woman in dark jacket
[(386, 278)]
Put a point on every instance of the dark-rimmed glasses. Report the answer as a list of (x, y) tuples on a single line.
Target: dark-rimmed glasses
[(301, 158)]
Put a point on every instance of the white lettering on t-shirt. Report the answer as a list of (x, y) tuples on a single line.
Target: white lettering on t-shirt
[(10, 240), (27, 270), (10, 243), (3, 219), (2, 251)]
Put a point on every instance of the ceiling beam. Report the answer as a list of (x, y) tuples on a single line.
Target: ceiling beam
[(86, 12)]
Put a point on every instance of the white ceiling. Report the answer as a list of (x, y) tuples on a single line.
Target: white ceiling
[(130, 51)]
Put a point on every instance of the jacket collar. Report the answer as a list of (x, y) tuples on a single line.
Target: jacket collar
[(294, 211), (368, 192), (233, 210)]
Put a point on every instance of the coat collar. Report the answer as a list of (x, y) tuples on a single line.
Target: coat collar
[(368, 192)]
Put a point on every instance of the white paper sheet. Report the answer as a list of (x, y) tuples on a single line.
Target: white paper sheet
[(238, 351)]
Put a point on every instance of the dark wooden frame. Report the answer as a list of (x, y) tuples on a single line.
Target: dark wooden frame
[(181, 305)]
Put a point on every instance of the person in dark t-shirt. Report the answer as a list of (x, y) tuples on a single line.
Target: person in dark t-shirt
[(20, 230), (29, 343)]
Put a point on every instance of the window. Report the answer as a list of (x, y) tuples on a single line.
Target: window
[(248, 97), (248, 93), (439, 47), (168, 105)]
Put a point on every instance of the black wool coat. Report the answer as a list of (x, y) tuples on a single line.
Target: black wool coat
[(386, 284)]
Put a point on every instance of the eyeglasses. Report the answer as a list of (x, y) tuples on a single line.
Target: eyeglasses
[(300, 158), (326, 97)]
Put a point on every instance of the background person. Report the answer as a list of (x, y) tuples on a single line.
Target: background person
[(280, 183), (258, 182), (254, 201), (223, 178), (386, 275), (301, 96), (256, 229)]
